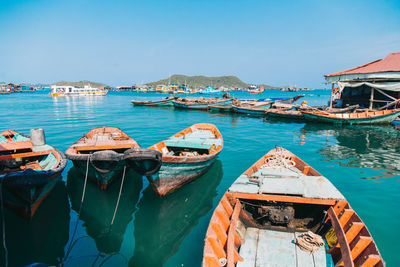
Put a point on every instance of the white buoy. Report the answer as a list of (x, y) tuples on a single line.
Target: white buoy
[(37, 137)]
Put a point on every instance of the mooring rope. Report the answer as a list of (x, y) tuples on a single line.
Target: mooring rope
[(3, 225), (79, 214), (115, 213)]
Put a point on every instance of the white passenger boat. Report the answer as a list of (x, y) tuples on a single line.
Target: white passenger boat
[(87, 90)]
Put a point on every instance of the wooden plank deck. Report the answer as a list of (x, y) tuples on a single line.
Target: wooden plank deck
[(274, 248)]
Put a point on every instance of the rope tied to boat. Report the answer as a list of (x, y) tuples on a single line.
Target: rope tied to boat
[(309, 241), (278, 160)]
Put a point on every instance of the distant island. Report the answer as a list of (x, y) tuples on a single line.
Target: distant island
[(191, 81), (202, 81), (80, 84)]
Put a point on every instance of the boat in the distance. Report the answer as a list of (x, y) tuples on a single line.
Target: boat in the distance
[(186, 156), (103, 152), (282, 212), (260, 106), (167, 102), (68, 90), (29, 170), (199, 103), (367, 117)]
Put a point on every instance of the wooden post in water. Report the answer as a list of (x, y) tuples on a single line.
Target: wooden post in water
[(371, 100), (330, 103)]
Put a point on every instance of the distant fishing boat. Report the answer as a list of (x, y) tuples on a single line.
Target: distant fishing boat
[(284, 114), (158, 103), (87, 90), (282, 212), (368, 117), (186, 156), (103, 152), (198, 103), (260, 106), (29, 169)]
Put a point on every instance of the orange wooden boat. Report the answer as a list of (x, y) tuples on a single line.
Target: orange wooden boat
[(186, 156), (263, 217), (104, 152), (368, 117), (29, 170)]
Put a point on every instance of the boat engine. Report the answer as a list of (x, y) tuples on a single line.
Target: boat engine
[(277, 215)]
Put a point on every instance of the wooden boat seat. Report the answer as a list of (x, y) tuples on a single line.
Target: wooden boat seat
[(15, 145), (306, 186), (274, 248), (26, 155), (103, 147)]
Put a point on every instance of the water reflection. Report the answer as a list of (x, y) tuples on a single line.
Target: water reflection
[(98, 208), (161, 224), (70, 106), (374, 147), (43, 238)]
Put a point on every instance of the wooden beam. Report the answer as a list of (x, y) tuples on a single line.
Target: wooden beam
[(330, 103), (280, 198), (26, 155), (344, 245), (383, 93), (371, 100)]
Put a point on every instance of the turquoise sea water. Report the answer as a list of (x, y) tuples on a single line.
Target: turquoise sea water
[(361, 161)]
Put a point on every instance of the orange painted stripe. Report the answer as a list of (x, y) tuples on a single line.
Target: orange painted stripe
[(346, 216), (26, 155), (371, 261), (329, 202), (89, 148), (361, 244)]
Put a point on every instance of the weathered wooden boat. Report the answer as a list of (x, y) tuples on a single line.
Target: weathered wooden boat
[(186, 156), (221, 107), (284, 114), (282, 212), (369, 117), (260, 106), (198, 103), (167, 102), (103, 152), (29, 169)]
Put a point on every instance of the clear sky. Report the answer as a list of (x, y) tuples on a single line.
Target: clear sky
[(119, 42)]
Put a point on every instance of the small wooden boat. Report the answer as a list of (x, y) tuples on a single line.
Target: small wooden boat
[(29, 169), (198, 103), (282, 212), (186, 156), (167, 102), (103, 152), (369, 117), (222, 107), (260, 106), (284, 114)]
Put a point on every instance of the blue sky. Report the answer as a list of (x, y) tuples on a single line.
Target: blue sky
[(127, 42)]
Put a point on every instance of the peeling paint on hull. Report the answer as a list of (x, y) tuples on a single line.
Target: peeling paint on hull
[(174, 175)]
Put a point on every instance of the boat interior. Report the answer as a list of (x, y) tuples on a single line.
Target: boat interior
[(198, 142), (278, 199), (104, 138), (17, 153)]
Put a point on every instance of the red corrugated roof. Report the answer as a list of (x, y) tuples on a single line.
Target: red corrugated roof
[(390, 63)]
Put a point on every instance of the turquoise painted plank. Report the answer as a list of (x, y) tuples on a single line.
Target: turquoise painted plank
[(319, 187), (275, 249), (173, 170), (248, 250), (284, 186), (243, 185)]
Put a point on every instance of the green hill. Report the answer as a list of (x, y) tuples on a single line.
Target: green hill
[(80, 84), (195, 81)]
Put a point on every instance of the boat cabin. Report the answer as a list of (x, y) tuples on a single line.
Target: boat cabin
[(375, 85)]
